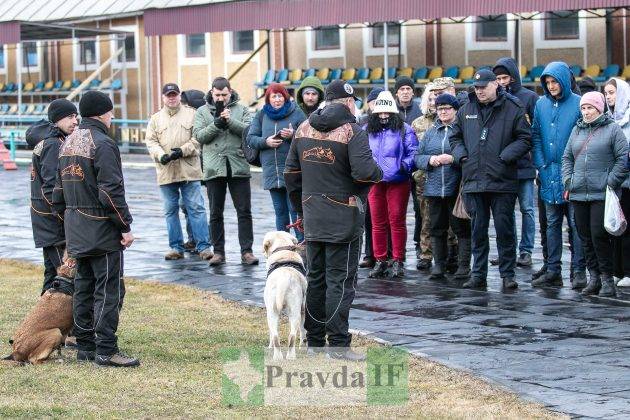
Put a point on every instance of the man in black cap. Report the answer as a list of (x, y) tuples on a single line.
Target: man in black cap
[(491, 133), (328, 172), (90, 195), (47, 227)]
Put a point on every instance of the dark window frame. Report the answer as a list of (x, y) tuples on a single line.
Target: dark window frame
[(82, 42), (187, 51), (26, 51), (236, 50), (324, 48), (490, 18), (391, 26), (551, 17)]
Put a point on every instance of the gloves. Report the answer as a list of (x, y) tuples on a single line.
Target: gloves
[(176, 153), (220, 123), (165, 159)]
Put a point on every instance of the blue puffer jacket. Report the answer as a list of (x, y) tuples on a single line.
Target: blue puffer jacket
[(272, 160), (553, 122), (442, 181), (390, 152)]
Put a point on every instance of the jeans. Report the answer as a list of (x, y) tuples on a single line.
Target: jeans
[(596, 241), (241, 194), (195, 207), (189, 231), (479, 206), (528, 223), (555, 214), (284, 211)]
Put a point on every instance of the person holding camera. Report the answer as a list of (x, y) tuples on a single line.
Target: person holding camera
[(175, 151)]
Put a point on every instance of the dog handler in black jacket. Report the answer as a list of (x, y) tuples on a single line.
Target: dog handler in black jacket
[(90, 194), (328, 173), (47, 226), (490, 135)]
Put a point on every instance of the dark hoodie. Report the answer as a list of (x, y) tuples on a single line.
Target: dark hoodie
[(328, 173), (45, 139), (193, 98), (315, 83), (528, 98)]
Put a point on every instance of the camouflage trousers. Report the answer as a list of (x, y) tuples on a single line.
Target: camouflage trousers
[(425, 252)]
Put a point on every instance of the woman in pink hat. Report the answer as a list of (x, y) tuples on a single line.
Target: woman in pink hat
[(594, 158)]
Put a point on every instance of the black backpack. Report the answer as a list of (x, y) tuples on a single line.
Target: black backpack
[(251, 155)]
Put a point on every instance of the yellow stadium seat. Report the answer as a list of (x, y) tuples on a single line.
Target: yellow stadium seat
[(405, 71), (375, 74), (66, 85), (626, 73), (348, 74), (1, 86), (323, 73), (435, 73), (295, 75), (49, 85), (13, 109), (29, 87), (30, 109), (592, 71), (465, 73), (523, 70)]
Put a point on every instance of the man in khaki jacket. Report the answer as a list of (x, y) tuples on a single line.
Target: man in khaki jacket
[(176, 154)]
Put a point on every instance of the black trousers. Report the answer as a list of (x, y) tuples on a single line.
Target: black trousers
[(417, 228), (479, 206), (441, 216), (596, 242), (369, 252), (99, 292), (332, 278), (241, 194), (621, 244), (53, 259)]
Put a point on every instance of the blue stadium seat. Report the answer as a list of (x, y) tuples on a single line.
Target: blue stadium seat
[(612, 70), (576, 69), (362, 74), (116, 84), (534, 74), (334, 74), (269, 76), (452, 72), (420, 73), (309, 73), (283, 75)]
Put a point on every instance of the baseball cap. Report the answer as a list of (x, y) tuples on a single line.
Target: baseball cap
[(483, 77), (170, 87), (338, 89), (442, 83)]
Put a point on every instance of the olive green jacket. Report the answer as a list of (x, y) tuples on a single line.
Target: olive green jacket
[(220, 146)]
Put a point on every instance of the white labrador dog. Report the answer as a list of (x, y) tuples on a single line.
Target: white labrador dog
[(285, 289)]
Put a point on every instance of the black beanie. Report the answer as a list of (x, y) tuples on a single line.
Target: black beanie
[(94, 103), (499, 70), (60, 109), (403, 81)]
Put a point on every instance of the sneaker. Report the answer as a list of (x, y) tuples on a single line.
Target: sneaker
[(249, 259), (367, 262), (189, 245), (173, 255), (423, 264), (349, 355), (217, 259), (116, 360), (494, 261), (379, 270), (509, 283), (86, 355), (524, 260), (475, 283), (549, 279), (398, 269), (206, 254)]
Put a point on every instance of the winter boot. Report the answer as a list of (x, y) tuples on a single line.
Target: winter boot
[(608, 286), (452, 259), (593, 285), (579, 280), (379, 270), (398, 269), (463, 256), (439, 255), (475, 283)]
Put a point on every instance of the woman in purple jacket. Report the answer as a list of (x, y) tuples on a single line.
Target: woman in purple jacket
[(393, 144)]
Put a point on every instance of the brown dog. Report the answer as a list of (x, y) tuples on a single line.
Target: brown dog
[(45, 328)]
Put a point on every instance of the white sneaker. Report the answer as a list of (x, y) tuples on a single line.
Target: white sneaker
[(624, 282)]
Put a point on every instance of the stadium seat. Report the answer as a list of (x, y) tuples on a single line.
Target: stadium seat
[(405, 71), (67, 84), (39, 109), (75, 83), (2, 87), (391, 74), (4, 108), (269, 76), (534, 74), (94, 84), (465, 73), (30, 109), (592, 71), (309, 73), (28, 87), (376, 76), (295, 76), (420, 73), (39, 86), (611, 70), (283, 75), (106, 84), (522, 69), (58, 85), (13, 109), (626, 73), (23, 108), (452, 72), (117, 84), (49, 85), (362, 74), (576, 69), (334, 75), (348, 74), (323, 74)]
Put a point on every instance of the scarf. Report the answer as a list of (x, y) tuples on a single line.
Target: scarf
[(277, 113)]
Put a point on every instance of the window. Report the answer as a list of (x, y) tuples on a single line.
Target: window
[(492, 28), (562, 25), (196, 45), (130, 48), (242, 41), (327, 38), (29, 54), (87, 52), (393, 32)]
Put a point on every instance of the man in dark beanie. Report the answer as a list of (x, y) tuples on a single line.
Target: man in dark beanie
[(404, 90), (90, 195), (47, 227)]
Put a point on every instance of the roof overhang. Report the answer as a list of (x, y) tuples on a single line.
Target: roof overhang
[(284, 14), (17, 31)]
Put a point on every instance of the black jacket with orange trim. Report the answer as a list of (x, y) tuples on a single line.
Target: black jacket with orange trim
[(46, 140), (328, 173), (90, 192)]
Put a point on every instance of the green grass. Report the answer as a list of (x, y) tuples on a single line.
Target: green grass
[(178, 332)]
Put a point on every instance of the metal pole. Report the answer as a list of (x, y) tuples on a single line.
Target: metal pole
[(19, 71), (386, 58)]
